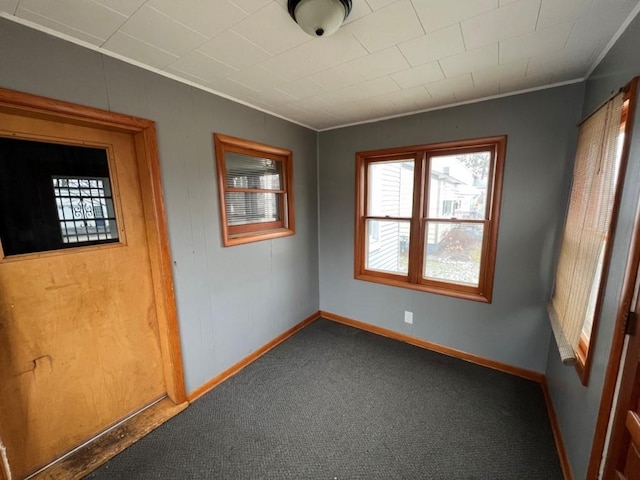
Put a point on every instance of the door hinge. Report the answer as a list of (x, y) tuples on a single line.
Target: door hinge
[(630, 321)]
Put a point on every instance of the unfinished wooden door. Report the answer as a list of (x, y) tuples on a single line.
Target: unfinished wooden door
[(623, 462), (79, 342)]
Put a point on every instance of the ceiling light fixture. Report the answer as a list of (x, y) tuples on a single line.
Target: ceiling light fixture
[(319, 17)]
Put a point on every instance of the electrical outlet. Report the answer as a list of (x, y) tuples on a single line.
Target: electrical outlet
[(408, 317)]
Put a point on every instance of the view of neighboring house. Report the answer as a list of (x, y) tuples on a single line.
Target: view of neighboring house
[(456, 191)]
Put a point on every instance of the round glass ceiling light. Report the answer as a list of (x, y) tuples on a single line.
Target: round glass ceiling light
[(319, 18)]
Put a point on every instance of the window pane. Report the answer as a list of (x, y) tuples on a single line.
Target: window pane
[(91, 210), (53, 196), (453, 252), (458, 185), (244, 171), (387, 246), (390, 187), (244, 208)]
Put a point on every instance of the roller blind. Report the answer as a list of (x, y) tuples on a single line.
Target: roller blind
[(587, 228)]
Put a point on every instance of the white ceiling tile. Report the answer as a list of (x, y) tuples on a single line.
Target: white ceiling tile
[(125, 7), (185, 76), (273, 29), (378, 4), (436, 14), (155, 28), (548, 65), (433, 46), (312, 104), (234, 50), (450, 86), (369, 108), (316, 55), (301, 88), (523, 83), (381, 63), (554, 11), (469, 61), (87, 17), (365, 68), (138, 50), (199, 65), (506, 2), (9, 6), (370, 88), (491, 77), (256, 78), (204, 16), (233, 89), (427, 73), (596, 29), (477, 93), (488, 82), (511, 20), (250, 6), (275, 96), (318, 120), (387, 27), (411, 98), (339, 77), (545, 40), (358, 10)]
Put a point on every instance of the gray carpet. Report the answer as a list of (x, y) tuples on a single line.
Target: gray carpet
[(333, 402)]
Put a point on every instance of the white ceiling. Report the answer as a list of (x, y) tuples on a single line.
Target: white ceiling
[(391, 57)]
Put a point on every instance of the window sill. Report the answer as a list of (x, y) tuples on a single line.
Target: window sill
[(476, 297), (251, 237)]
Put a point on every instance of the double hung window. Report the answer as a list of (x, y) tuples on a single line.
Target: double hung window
[(427, 216), (255, 182)]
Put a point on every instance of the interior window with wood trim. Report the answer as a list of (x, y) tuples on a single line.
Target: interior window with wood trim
[(427, 216), (255, 183), (585, 252)]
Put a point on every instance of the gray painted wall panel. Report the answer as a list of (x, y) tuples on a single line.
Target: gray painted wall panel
[(51, 68), (577, 406), (514, 329), (233, 300)]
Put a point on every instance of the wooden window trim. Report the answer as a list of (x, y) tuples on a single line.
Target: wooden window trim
[(418, 221), (258, 231)]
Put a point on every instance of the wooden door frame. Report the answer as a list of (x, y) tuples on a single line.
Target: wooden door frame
[(598, 455), (146, 149), (618, 423)]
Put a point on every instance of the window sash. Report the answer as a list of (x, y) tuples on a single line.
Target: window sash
[(418, 221), (255, 185)]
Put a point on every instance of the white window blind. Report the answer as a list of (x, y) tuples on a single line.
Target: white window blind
[(260, 182), (587, 227)]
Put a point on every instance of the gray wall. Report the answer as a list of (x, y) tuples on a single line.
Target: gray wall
[(577, 406), (233, 300), (514, 329)]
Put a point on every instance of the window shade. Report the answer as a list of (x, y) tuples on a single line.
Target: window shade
[(244, 171), (587, 227)]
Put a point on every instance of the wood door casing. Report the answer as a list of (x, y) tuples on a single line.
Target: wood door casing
[(623, 457), (124, 363)]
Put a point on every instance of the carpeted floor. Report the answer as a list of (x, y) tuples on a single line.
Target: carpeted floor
[(333, 402)]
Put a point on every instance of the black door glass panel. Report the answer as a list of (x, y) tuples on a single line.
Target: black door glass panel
[(54, 196)]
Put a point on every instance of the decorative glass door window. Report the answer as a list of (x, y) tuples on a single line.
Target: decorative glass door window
[(55, 196), (85, 209)]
